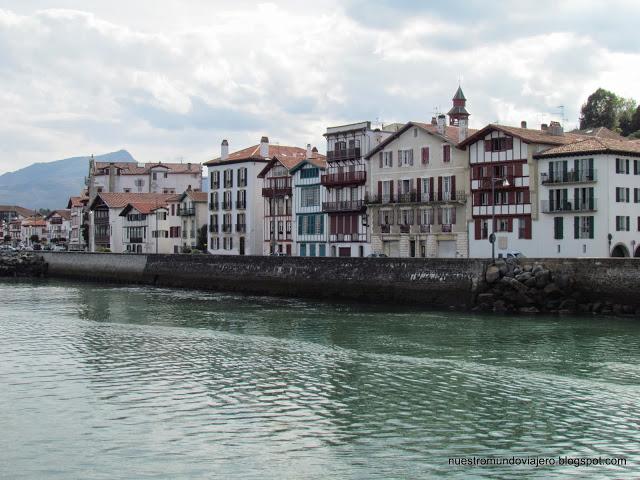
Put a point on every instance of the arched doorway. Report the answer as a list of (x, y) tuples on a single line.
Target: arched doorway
[(637, 252), (620, 250)]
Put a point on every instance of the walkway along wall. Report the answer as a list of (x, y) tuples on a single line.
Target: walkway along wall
[(437, 283)]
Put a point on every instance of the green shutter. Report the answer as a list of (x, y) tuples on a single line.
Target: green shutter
[(591, 227), (300, 224), (576, 227)]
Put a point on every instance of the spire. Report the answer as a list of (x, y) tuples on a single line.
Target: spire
[(458, 112), (459, 95)]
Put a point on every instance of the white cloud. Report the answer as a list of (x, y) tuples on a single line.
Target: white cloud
[(171, 79)]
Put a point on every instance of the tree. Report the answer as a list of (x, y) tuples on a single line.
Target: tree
[(625, 116), (85, 233), (34, 238), (601, 110), (202, 238), (635, 123), (7, 238)]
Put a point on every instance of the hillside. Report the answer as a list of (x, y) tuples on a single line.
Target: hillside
[(50, 184)]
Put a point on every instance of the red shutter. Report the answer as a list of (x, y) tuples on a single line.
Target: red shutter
[(439, 216), (487, 145), (391, 190), (439, 188), (334, 225), (453, 187), (527, 227), (431, 194), (453, 216), (477, 198), (354, 223), (527, 196), (511, 199), (418, 189), (379, 191), (478, 228), (509, 224), (447, 153), (425, 155), (509, 143), (380, 158), (518, 170)]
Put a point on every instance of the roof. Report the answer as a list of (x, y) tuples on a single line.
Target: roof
[(283, 152), (133, 168), (120, 200), (600, 132), (321, 163), (34, 222), (25, 212), (528, 135), (143, 207), (458, 110), (77, 202), (293, 158), (194, 195), (459, 95), (592, 145), (451, 134), (66, 214)]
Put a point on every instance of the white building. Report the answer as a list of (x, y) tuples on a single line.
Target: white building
[(346, 182), (310, 226), (30, 227), (419, 187), (193, 214), (77, 207), (145, 228), (589, 199), (58, 226)]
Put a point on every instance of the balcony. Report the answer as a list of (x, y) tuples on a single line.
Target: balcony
[(226, 228), (55, 221), (589, 205), (573, 176), (241, 227), (425, 228), (459, 196), (485, 182), (135, 240), (187, 212), (214, 206), (343, 179), (241, 204), (446, 228), (102, 239), (405, 228), (347, 237), (213, 228), (385, 228), (277, 187), (344, 206), (227, 205), (228, 184), (215, 185), (346, 154)]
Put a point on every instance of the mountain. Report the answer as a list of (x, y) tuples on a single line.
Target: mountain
[(50, 184)]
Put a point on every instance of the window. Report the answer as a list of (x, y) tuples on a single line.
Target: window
[(313, 172), (622, 194), (159, 234), (228, 178), (425, 155), (519, 197), (622, 223), (522, 228), (448, 216), (502, 225), (484, 198), (446, 153), (387, 159), (161, 215), (558, 228), (498, 144), (310, 224), (310, 196), (622, 165), (636, 167), (405, 158), (406, 217), (215, 243), (155, 175), (636, 195), (127, 190), (583, 227), (242, 177), (426, 216), (386, 217), (415, 133)]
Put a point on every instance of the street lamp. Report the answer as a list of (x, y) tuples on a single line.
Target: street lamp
[(492, 238)]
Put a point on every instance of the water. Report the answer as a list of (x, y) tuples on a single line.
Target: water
[(138, 382)]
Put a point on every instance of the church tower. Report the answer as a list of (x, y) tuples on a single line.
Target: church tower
[(458, 111)]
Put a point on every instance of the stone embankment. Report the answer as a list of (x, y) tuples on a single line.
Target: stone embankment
[(514, 286), (22, 265)]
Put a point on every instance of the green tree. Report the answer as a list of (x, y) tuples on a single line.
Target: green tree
[(202, 238), (635, 123), (85, 233), (625, 116), (7, 238), (34, 238), (601, 110)]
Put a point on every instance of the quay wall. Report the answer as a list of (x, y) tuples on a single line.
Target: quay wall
[(439, 283)]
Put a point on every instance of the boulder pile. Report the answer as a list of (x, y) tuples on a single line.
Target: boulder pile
[(23, 264)]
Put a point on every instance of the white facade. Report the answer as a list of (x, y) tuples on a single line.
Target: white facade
[(144, 231), (418, 189), (310, 224), (59, 226), (235, 208), (583, 200)]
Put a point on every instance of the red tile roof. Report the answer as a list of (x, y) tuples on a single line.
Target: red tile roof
[(132, 168), (143, 207), (600, 132), (24, 212), (593, 145), (529, 135), (66, 214), (119, 200), (77, 202), (284, 153), (197, 196)]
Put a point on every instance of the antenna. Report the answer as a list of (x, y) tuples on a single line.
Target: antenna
[(562, 117)]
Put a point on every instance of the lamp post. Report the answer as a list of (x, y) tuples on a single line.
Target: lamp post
[(492, 237)]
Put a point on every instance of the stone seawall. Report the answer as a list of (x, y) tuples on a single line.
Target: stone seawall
[(438, 283)]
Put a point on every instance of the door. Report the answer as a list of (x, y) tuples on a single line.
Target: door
[(344, 251), (288, 249), (447, 248), (412, 248), (241, 245)]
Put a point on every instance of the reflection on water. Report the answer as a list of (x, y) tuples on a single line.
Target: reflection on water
[(138, 382)]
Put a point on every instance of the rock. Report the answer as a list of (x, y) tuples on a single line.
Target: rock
[(568, 304), (528, 310), (542, 278), (563, 280), (551, 289), (517, 271), (493, 274), (531, 283), (522, 299), (523, 277), (597, 307), (499, 307), (627, 309), (527, 268), (486, 298), (537, 268)]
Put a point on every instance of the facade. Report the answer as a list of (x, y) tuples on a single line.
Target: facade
[(192, 210), (346, 182), (501, 161), (145, 228), (106, 223), (58, 226), (310, 226), (236, 204), (30, 226), (590, 199), (9, 213), (417, 205), (77, 206), (133, 177)]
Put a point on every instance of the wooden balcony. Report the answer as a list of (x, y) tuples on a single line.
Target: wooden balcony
[(346, 154), (343, 179), (277, 188), (344, 206), (187, 212), (459, 197), (347, 237)]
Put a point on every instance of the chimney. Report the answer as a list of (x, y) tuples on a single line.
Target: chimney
[(309, 151), (544, 127), (463, 130), (441, 122), (523, 124), (112, 177), (434, 121), (264, 147), (556, 129), (224, 150), (189, 166), (314, 150)]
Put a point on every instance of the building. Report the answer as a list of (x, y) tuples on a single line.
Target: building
[(346, 182), (589, 199), (77, 206), (15, 231), (133, 177), (236, 205), (419, 184), (278, 197), (310, 226), (9, 213), (31, 227), (145, 228), (106, 224), (192, 210), (504, 187), (58, 226)]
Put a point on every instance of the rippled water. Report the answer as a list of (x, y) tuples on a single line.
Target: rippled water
[(136, 382)]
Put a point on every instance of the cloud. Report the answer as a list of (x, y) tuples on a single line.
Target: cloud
[(172, 80)]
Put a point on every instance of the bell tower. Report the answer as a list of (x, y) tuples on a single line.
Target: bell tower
[(458, 112)]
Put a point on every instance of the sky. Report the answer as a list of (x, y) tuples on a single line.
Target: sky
[(169, 79)]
